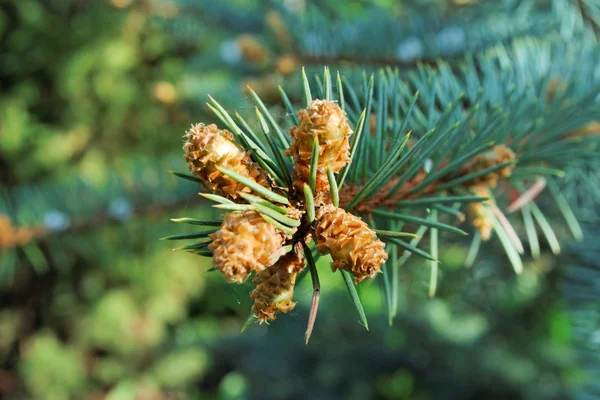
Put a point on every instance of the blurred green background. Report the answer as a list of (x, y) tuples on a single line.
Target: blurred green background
[(95, 97)]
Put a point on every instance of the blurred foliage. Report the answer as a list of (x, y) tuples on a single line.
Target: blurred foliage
[(94, 97)]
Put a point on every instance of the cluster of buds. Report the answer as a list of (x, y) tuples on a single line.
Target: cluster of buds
[(249, 240)]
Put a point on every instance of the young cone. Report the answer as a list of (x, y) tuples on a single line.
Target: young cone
[(326, 121), (244, 243), (496, 155), (275, 287), (351, 243), (207, 147)]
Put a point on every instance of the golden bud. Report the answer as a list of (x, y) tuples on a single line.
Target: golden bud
[(351, 243), (592, 128), (287, 64), (252, 49), (326, 121), (244, 243), (477, 216), (275, 287), (207, 147), (277, 25), (496, 155)]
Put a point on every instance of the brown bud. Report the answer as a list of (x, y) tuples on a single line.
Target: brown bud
[(12, 236), (351, 243), (287, 64), (496, 155), (326, 121), (277, 25), (244, 243), (592, 128), (252, 49), (207, 147), (275, 287), (477, 216)]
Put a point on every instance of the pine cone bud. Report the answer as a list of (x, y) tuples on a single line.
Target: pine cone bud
[(252, 49), (244, 243), (275, 287), (496, 155), (207, 147), (287, 64), (326, 121), (476, 215), (351, 243)]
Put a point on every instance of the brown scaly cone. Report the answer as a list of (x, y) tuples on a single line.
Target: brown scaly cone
[(476, 215), (244, 243), (351, 243), (496, 155), (207, 147), (326, 121), (275, 287)]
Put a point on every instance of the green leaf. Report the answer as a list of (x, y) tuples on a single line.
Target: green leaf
[(546, 228), (428, 201), (340, 92), (409, 247), (259, 200), (251, 318), (314, 164), (328, 85), (288, 106), (189, 177), (384, 233), (306, 89), (263, 191), (355, 299), (277, 152), (531, 232), (195, 246), (283, 140), (450, 167), (565, 209), (473, 249), (379, 178), (185, 236), (359, 130), (203, 253), (278, 225), (275, 215), (310, 203), (395, 281), (434, 253), (509, 247), (335, 195), (473, 175), (216, 198), (233, 207), (417, 220), (193, 221)]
